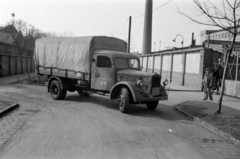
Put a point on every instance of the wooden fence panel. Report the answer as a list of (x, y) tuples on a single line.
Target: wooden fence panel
[(5, 66), (19, 65), (13, 63)]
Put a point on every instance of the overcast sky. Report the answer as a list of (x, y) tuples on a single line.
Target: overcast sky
[(108, 18)]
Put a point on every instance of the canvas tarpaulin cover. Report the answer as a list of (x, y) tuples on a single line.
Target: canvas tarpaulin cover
[(73, 53)]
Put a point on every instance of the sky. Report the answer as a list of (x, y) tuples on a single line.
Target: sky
[(109, 18)]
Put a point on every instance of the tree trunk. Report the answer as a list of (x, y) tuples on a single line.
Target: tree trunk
[(223, 85)]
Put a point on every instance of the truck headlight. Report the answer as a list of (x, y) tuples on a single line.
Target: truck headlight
[(139, 83), (165, 82)]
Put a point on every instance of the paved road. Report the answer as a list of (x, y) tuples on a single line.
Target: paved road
[(92, 127)]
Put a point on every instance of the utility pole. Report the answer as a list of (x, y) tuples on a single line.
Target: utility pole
[(129, 34), (147, 30)]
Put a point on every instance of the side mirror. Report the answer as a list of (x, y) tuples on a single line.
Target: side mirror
[(93, 60), (165, 82)]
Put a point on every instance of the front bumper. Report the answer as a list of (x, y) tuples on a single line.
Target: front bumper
[(151, 98)]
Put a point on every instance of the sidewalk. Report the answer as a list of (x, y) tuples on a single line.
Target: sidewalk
[(190, 103), (177, 87), (229, 101), (16, 78), (6, 106)]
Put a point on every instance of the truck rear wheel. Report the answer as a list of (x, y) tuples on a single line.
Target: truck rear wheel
[(56, 91), (152, 105), (123, 101)]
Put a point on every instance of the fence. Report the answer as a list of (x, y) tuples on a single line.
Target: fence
[(15, 64), (186, 67), (183, 66)]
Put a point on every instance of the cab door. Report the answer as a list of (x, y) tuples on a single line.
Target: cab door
[(103, 75)]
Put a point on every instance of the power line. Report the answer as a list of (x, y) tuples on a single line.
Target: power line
[(154, 9), (162, 5), (123, 28)]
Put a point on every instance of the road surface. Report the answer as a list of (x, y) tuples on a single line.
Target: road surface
[(93, 128)]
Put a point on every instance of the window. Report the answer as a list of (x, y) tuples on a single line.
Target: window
[(144, 64), (120, 63), (126, 63), (104, 61), (133, 63), (226, 35), (150, 62)]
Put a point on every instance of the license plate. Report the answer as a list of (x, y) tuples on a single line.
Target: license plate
[(155, 91)]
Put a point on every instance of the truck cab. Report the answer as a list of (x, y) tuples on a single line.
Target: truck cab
[(119, 74)]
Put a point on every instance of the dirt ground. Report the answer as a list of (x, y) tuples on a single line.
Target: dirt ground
[(228, 121)]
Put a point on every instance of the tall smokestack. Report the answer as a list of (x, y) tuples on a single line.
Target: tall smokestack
[(147, 30)]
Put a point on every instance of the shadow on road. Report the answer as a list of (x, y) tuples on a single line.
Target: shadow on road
[(164, 112)]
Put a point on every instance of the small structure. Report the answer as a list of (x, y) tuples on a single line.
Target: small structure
[(232, 82), (215, 39), (184, 66)]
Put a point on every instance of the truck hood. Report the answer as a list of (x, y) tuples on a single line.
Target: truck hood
[(133, 72)]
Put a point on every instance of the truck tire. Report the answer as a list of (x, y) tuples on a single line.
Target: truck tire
[(56, 92), (123, 101), (152, 105)]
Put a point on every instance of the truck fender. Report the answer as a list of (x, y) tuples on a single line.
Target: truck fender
[(55, 78), (117, 87)]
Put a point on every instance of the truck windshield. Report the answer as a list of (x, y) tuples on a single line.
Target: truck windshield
[(126, 63)]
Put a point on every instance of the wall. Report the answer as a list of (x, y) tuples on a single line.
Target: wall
[(193, 69), (12, 64), (15, 64), (218, 35), (181, 66), (232, 88)]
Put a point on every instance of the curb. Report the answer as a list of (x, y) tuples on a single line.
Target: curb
[(210, 127), (8, 108), (24, 78), (179, 90)]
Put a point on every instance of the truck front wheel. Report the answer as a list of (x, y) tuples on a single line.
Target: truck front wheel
[(56, 91), (152, 105), (123, 100)]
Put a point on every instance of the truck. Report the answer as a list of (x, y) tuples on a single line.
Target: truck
[(97, 64)]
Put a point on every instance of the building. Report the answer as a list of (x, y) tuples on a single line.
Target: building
[(219, 35), (186, 66), (218, 40)]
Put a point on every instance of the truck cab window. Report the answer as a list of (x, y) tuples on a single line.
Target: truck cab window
[(104, 61)]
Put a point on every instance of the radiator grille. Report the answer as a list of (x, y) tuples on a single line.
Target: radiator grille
[(156, 81)]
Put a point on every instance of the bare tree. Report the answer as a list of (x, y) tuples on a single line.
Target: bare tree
[(224, 14), (21, 33), (66, 34)]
